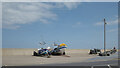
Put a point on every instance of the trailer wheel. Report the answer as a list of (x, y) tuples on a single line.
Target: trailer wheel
[(63, 53), (34, 53), (108, 54)]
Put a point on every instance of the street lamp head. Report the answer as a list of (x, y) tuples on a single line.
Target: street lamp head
[(104, 19)]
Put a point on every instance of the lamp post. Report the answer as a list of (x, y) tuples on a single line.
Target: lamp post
[(104, 35)]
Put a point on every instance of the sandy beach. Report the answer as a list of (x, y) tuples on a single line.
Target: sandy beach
[(23, 57)]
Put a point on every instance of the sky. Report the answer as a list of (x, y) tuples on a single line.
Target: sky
[(77, 24)]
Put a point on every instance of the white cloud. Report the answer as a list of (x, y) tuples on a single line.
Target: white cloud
[(116, 16), (77, 24), (15, 14), (25, 13), (112, 30), (69, 5), (98, 24), (113, 22)]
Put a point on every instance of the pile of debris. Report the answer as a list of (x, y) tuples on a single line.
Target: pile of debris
[(108, 53), (105, 53)]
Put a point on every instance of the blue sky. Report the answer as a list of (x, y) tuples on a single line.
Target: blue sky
[(79, 25)]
